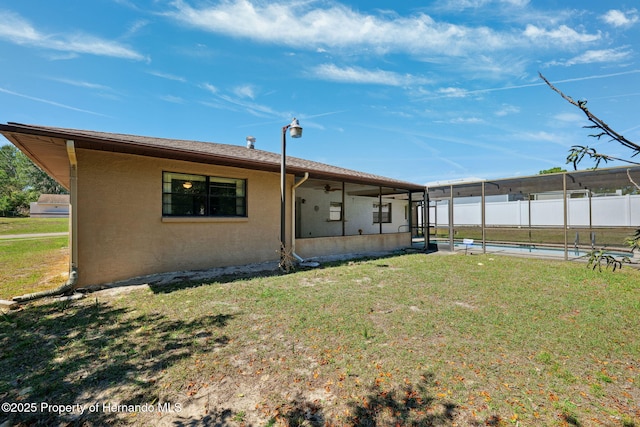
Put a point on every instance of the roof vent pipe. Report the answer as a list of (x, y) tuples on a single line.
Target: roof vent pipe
[(251, 140)]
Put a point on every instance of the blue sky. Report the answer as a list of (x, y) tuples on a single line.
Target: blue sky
[(419, 91)]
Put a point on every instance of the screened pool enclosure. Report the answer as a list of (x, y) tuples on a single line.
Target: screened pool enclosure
[(570, 212)]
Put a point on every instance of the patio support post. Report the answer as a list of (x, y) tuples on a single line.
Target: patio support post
[(435, 216), (380, 208), (566, 231), (483, 218), (426, 231), (343, 220), (295, 218), (410, 218), (451, 247), (529, 219), (590, 217)]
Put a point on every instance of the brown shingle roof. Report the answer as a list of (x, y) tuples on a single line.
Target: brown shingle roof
[(202, 152)]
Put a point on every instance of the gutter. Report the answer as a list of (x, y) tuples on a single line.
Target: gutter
[(192, 151), (70, 284), (293, 216)]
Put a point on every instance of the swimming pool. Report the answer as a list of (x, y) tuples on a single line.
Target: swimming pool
[(523, 249)]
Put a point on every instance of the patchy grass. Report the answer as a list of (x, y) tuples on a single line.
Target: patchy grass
[(33, 225), (406, 340), (31, 265)]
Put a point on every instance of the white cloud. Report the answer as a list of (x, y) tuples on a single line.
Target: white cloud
[(49, 102), (333, 26), (83, 84), (16, 29), (618, 18), (453, 92), (252, 108), (209, 88), (597, 56), (561, 35), (167, 76), (495, 67), (135, 28), (518, 3), (299, 24), (507, 110), (245, 91), (543, 136), (364, 76), (597, 76), (571, 118), (19, 31), (475, 4), (172, 99), (466, 121)]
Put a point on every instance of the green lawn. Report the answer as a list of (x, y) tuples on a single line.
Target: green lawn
[(405, 340), (30, 265), (33, 225)]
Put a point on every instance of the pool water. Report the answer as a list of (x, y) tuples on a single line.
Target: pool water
[(527, 249)]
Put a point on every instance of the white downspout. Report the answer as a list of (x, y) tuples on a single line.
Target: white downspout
[(73, 209), (293, 216)]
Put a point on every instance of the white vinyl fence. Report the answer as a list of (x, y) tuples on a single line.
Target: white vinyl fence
[(609, 211)]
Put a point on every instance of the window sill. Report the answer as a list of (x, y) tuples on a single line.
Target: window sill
[(203, 219)]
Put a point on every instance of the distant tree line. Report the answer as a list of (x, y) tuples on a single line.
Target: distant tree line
[(22, 182), (557, 169)]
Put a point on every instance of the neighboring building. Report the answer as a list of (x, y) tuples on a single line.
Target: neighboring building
[(143, 205), (50, 206)]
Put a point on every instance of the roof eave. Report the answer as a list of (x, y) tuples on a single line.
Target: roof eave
[(104, 143)]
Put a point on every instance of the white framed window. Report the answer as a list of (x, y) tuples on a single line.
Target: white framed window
[(335, 211), (381, 213)]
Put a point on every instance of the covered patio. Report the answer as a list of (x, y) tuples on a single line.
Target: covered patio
[(334, 216)]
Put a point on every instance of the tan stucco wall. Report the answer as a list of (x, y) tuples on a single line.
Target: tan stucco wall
[(122, 234), (323, 246)]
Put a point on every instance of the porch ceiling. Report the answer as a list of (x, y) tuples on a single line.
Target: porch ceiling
[(355, 189), (50, 154)]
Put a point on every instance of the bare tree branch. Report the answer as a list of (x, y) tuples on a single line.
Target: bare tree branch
[(578, 152), (597, 123)]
